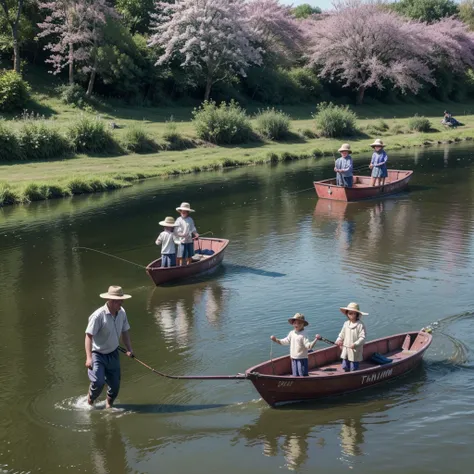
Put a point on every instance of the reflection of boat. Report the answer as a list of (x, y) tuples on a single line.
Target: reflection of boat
[(326, 378), (161, 275), (327, 209), (396, 181)]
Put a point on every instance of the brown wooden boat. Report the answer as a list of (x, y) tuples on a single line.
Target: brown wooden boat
[(276, 386), (396, 181), (207, 263)]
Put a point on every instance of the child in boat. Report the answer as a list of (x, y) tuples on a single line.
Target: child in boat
[(378, 164), (352, 337), (167, 239), (186, 230), (344, 166), (299, 345)]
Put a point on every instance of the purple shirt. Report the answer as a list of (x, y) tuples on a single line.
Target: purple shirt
[(379, 159), (344, 164)]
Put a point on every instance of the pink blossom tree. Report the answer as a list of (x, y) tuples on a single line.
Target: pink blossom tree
[(211, 38)]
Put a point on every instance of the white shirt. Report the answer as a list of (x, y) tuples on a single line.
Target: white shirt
[(299, 344), (106, 329), (352, 333), (167, 240), (185, 228)]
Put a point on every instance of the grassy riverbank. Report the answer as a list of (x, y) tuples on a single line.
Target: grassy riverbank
[(29, 181)]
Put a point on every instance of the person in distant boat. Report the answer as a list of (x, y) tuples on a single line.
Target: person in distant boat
[(352, 337), (299, 345), (378, 164), (186, 230), (168, 240), (344, 166), (106, 325)]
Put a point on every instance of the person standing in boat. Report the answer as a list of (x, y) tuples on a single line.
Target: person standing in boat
[(344, 167), (378, 164), (299, 345), (168, 240), (352, 337), (186, 230), (106, 325)]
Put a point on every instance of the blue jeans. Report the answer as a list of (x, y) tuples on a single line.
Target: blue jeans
[(188, 250), (349, 366), (168, 260), (299, 367), (345, 181), (105, 370)]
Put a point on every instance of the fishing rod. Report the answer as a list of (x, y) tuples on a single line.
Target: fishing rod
[(186, 377)]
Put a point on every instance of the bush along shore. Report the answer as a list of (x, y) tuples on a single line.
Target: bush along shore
[(88, 155)]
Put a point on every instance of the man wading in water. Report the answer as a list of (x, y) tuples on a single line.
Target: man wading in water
[(106, 324)]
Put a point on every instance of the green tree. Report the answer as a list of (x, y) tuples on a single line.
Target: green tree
[(136, 14), (466, 13), (305, 10), (426, 10), (12, 10)]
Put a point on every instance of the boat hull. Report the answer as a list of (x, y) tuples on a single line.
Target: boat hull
[(161, 275), (281, 389), (396, 182)]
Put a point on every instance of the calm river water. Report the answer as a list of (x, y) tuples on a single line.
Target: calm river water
[(407, 260)]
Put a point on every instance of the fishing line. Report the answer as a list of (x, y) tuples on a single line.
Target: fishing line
[(110, 255)]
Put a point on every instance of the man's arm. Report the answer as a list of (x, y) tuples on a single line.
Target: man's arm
[(128, 343), (88, 347)]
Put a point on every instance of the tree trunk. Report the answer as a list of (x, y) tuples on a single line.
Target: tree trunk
[(71, 64), (360, 95), (90, 87), (208, 88), (16, 50)]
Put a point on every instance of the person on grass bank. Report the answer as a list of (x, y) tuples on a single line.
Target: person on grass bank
[(185, 229), (106, 325), (378, 163), (344, 167)]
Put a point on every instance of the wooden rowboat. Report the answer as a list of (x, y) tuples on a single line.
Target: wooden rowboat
[(208, 263), (396, 181), (276, 386)]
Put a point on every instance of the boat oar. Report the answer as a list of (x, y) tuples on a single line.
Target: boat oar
[(187, 377)]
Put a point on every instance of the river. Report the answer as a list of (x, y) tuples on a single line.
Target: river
[(406, 259)]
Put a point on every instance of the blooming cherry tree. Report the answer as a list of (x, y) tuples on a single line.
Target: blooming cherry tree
[(211, 38)]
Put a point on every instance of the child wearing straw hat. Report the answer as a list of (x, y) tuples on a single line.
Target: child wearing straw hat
[(352, 337), (186, 230), (344, 166), (299, 345), (378, 163), (167, 239)]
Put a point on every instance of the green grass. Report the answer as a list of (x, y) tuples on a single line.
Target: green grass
[(29, 181)]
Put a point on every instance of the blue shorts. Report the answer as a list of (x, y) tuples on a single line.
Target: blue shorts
[(345, 181), (379, 172), (168, 260), (349, 366), (187, 250), (299, 367)]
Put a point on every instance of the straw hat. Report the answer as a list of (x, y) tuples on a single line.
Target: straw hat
[(168, 222), (185, 207), (345, 147), (377, 142), (115, 293), (353, 307), (298, 317)]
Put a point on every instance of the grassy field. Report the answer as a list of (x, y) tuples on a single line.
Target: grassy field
[(27, 181)]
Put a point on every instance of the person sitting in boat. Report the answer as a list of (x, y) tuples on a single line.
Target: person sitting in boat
[(352, 337), (167, 239), (299, 345), (378, 164), (344, 166), (186, 230)]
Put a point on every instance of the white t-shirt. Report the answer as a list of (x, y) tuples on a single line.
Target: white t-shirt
[(106, 329), (299, 344), (185, 228), (167, 240)]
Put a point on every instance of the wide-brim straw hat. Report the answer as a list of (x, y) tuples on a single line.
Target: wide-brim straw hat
[(345, 147), (115, 293), (185, 207), (352, 307), (377, 142), (298, 317), (168, 222)]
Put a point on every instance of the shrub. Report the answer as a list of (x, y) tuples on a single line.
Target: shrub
[(90, 135), (137, 140), (273, 124), (419, 124), (171, 133), (308, 83), (308, 133), (14, 91), (9, 146), (8, 195), (396, 129), (334, 120), (223, 124), (72, 95), (38, 141)]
